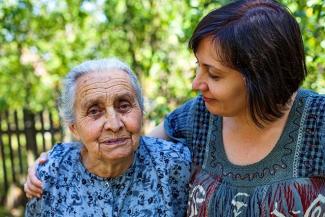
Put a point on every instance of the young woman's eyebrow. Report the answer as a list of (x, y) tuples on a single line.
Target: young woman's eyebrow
[(215, 70)]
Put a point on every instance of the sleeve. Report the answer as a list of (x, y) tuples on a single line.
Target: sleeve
[(172, 163), (33, 208), (178, 124), (322, 122), (48, 174), (58, 158), (179, 177), (189, 124)]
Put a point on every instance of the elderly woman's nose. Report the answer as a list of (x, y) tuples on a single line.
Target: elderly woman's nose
[(113, 121)]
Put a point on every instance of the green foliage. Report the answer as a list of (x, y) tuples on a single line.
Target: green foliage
[(311, 17), (42, 40)]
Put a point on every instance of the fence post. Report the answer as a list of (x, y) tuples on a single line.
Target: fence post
[(11, 151), (30, 131), (3, 156), (17, 132)]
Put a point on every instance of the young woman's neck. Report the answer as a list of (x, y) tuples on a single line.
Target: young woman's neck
[(245, 143), (244, 120)]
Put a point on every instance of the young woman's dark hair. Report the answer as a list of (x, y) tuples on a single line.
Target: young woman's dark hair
[(262, 40)]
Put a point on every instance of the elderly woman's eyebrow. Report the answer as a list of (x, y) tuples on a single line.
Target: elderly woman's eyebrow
[(90, 102), (116, 97), (124, 96)]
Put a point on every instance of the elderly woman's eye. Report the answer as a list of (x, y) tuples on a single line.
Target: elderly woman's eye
[(124, 106), (94, 111)]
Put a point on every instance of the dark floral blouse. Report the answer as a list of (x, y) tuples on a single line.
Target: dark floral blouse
[(289, 181), (155, 185)]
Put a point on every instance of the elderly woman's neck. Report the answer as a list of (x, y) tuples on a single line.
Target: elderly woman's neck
[(105, 168)]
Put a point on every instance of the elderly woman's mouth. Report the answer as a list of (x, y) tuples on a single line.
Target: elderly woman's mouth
[(115, 141)]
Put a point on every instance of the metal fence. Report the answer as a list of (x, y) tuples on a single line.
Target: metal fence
[(23, 135)]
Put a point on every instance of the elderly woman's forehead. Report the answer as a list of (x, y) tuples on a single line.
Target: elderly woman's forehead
[(112, 82), (107, 75)]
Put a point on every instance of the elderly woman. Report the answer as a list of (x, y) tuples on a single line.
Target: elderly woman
[(112, 170)]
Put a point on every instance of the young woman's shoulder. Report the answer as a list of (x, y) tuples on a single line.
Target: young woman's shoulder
[(179, 124), (316, 115), (193, 105), (316, 106)]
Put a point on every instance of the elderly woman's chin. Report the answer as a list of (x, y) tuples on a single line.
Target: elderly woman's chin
[(118, 149)]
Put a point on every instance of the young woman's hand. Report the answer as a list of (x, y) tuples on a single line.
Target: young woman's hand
[(33, 186)]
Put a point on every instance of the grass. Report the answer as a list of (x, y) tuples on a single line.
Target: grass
[(4, 212)]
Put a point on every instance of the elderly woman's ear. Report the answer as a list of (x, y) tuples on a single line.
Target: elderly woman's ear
[(74, 131)]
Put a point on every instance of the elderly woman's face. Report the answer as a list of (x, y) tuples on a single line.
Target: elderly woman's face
[(108, 117)]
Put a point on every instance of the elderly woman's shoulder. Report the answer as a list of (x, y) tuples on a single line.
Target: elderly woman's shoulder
[(160, 148), (60, 156), (61, 150)]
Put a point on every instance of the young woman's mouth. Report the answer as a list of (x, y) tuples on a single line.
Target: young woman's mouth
[(207, 99)]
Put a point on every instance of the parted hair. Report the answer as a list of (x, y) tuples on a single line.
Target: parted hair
[(261, 40)]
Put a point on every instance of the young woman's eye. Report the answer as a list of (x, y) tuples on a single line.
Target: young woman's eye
[(214, 77)]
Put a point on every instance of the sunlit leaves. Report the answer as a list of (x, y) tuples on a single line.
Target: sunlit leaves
[(41, 40)]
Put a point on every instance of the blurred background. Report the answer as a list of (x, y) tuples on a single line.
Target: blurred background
[(41, 40)]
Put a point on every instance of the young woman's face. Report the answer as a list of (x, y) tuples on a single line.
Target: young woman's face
[(108, 117), (223, 88)]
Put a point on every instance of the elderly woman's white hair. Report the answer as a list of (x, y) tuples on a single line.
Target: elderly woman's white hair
[(67, 99)]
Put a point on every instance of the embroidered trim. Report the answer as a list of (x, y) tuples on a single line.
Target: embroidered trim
[(300, 138)]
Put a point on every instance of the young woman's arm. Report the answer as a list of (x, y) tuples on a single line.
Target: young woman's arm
[(158, 132), (33, 186)]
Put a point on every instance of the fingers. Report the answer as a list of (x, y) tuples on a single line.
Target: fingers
[(29, 194), (42, 158), (32, 186), (33, 180), (32, 190)]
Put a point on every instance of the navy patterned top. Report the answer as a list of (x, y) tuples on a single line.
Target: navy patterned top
[(289, 181), (155, 185)]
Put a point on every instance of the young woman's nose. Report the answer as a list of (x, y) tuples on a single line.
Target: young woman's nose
[(113, 121), (199, 83)]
